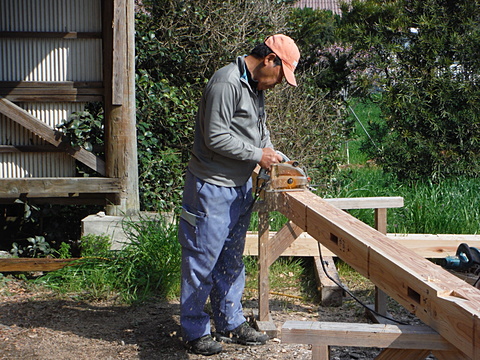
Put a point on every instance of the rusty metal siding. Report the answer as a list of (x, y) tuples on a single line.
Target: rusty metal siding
[(46, 59)]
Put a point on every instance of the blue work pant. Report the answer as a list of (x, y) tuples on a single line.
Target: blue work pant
[(212, 232)]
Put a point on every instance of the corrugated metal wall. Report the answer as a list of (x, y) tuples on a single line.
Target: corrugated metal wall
[(50, 59), (50, 15), (46, 59)]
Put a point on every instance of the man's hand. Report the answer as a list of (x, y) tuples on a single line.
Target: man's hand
[(269, 157)]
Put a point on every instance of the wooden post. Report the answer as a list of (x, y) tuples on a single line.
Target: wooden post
[(381, 297), (320, 352), (120, 122), (263, 283)]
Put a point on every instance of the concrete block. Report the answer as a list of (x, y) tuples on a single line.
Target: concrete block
[(113, 226)]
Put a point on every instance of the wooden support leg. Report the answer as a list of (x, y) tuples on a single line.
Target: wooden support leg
[(403, 354), (263, 283), (449, 355), (381, 297), (320, 352)]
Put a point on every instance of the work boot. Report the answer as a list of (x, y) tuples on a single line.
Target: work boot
[(244, 334), (204, 346)]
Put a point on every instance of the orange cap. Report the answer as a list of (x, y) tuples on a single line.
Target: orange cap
[(288, 52)]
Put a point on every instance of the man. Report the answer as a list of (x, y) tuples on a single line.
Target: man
[(231, 138)]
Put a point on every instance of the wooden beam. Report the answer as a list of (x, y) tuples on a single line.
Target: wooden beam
[(367, 202), (45, 98), (281, 241), (51, 91), (52, 187), (438, 298), (364, 335), (331, 294), (38, 264), (403, 354), (38, 127), (67, 199), (430, 246)]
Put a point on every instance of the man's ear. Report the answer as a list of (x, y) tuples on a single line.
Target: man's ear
[(269, 58)]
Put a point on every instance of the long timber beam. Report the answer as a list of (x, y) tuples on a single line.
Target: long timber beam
[(440, 299)]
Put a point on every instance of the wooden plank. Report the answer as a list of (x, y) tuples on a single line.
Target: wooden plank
[(303, 246), (38, 264), (54, 137), (70, 199), (438, 298), (55, 186), (402, 354), (363, 335), (331, 294), (367, 202), (53, 98), (282, 240), (429, 246), (435, 245)]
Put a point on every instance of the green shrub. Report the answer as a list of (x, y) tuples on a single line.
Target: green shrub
[(427, 54)]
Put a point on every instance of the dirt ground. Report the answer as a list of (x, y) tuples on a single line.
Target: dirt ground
[(36, 324)]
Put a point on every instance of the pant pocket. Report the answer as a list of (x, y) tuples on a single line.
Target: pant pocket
[(188, 226)]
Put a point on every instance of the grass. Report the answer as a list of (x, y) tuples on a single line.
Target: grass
[(361, 113), (288, 276), (148, 265)]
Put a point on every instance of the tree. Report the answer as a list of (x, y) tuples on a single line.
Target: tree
[(427, 52)]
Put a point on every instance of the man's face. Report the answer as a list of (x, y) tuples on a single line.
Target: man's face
[(270, 74)]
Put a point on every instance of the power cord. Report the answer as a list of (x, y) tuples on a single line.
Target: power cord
[(354, 297)]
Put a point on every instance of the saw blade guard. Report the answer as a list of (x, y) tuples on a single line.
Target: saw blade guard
[(287, 176)]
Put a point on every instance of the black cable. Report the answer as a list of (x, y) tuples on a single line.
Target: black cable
[(354, 297), (258, 190)]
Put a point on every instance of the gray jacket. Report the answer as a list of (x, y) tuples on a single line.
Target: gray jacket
[(230, 129)]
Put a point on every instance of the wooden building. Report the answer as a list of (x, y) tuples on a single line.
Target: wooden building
[(55, 57)]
